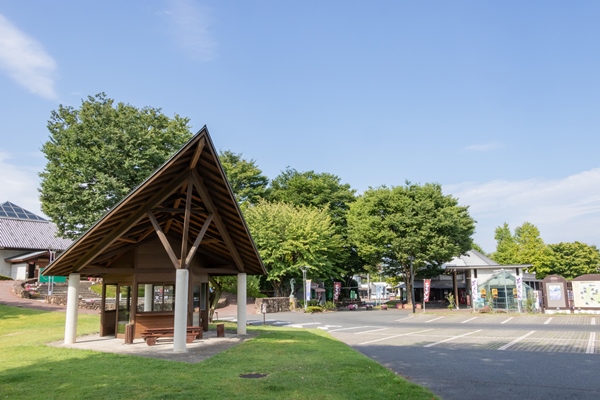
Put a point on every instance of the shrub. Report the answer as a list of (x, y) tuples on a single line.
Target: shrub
[(314, 309), (329, 305), (5, 278)]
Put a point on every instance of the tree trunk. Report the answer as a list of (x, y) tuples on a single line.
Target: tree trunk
[(213, 297)]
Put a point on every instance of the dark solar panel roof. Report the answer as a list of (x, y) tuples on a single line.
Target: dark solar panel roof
[(10, 210)]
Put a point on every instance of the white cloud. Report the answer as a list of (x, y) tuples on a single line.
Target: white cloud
[(565, 210), (484, 147), (19, 185), (26, 61), (190, 29)]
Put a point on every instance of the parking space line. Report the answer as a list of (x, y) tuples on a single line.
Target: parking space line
[(470, 319), (395, 336), (403, 319), (374, 330), (593, 321), (435, 319), (517, 340), (591, 342), (353, 327), (505, 321), (548, 321), (452, 338)]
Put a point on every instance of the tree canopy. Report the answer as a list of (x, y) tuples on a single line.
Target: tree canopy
[(392, 226), (289, 237), (98, 153), (324, 191), (524, 247), (247, 181), (321, 190), (574, 259)]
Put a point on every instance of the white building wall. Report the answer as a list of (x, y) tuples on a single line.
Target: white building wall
[(6, 267)]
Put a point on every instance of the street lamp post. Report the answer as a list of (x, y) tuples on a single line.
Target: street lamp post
[(412, 284)]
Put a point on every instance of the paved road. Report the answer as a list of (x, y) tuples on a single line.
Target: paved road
[(468, 356)]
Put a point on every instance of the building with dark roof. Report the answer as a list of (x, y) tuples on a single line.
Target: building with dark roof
[(26, 240)]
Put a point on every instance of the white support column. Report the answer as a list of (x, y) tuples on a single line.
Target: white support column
[(148, 297), (241, 304), (181, 307), (72, 308)]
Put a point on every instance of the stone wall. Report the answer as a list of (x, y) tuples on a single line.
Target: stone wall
[(274, 304)]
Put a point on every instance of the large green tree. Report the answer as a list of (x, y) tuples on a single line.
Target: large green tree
[(418, 223), (309, 188), (327, 192), (289, 237), (524, 247), (247, 180), (571, 260), (98, 153)]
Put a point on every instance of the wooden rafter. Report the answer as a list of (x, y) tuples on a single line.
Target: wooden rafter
[(186, 222), (197, 153), (218, 222), (199, 238), (134, 218), (164, 240)]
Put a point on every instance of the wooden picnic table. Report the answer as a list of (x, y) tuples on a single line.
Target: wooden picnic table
[(153, 334)]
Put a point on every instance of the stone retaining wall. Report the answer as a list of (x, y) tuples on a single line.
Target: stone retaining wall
[(274, 304)]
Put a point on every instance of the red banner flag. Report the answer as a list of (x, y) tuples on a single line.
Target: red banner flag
[(426, 288), (337, 290)]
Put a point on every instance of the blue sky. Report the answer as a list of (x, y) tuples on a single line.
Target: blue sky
[(497, 101)]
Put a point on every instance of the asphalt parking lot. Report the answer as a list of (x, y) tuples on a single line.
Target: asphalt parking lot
[(464, 355)]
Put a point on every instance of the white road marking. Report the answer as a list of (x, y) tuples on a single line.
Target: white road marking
[(593, 321), (327, 327), (452, 338), (517, 340), (281, 323), (395, 336), (548, 321), (403, 319), (470, 319), (374, 330), (505, 321), (354, 327), (302, 325), (435, 319), (591, 342)]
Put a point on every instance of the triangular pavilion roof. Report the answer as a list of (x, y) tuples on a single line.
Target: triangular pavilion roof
[(189, 198)]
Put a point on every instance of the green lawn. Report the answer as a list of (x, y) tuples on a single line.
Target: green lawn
[(299, 363)]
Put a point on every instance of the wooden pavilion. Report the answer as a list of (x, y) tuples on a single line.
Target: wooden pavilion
[(156, 249)]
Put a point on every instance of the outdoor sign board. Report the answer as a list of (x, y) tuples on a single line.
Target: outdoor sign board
[(586, 294)]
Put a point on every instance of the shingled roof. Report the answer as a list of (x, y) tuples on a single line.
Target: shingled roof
[(188, 197), (22, 229)]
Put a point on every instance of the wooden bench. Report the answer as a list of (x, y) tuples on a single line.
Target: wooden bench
[(152, 335)]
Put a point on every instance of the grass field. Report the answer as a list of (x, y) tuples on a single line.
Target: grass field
[(299, 363)]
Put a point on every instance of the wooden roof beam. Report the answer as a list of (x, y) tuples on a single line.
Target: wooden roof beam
[(197, 153), (101, 245), (201, 234), (164, 240), (218, 222)]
